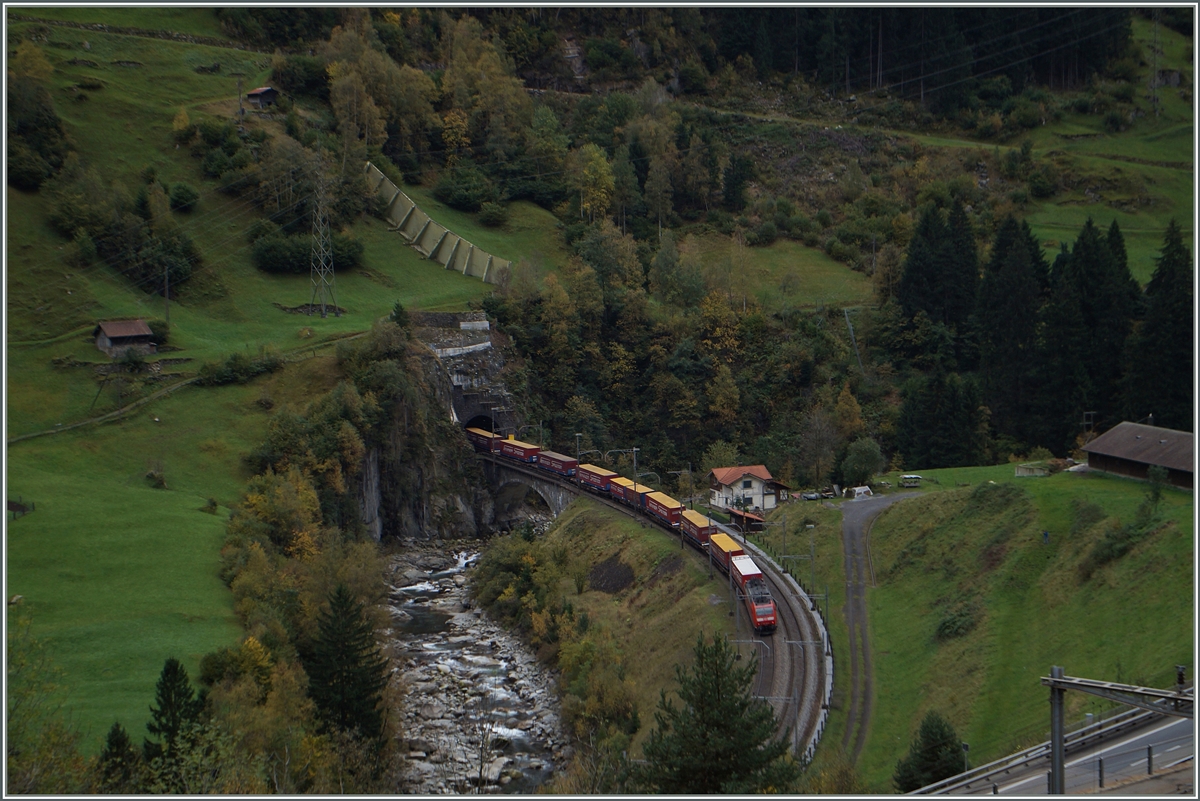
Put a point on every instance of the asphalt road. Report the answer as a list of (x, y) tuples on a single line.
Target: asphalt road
[(1125, 759), (857, 516)]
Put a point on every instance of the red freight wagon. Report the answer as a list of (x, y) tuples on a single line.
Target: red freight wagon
[(595, 478), (484, 441), (744, 570), (696, 527), (557, 463), (756, 596), (521, 451), (665, 508), (630, 492), (723, 549)]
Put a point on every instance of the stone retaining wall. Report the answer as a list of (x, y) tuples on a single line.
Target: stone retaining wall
[(431, 239)]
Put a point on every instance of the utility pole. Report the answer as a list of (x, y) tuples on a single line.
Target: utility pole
[(321, 272), (1154, 75)]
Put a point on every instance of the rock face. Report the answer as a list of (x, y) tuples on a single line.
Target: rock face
[(422, 480), (482, 714)]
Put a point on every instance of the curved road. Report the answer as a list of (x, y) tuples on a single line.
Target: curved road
[(857, 517)]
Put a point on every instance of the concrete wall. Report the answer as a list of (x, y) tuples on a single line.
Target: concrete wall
[(433, 240)]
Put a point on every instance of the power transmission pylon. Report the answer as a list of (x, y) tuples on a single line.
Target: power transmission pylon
[(321, 272)]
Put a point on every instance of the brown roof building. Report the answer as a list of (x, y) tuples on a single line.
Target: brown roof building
[(262, 97), (1131, 449), (114, 337)]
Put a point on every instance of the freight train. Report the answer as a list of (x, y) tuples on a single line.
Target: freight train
[(696, 529)]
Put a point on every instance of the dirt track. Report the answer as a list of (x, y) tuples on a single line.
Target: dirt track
[(857, 516)]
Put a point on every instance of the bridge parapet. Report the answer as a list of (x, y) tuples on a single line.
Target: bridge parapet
[(501, 474)]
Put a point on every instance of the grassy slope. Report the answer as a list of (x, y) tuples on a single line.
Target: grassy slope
[(118, 575), (1124, 624), (657, 619)]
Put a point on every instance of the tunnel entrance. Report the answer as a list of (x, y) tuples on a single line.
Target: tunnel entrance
[(482, 421)]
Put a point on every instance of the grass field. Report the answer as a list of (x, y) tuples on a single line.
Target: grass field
[(783, 274), (657, 619), (945, 549), (118, 575), (193, 21)]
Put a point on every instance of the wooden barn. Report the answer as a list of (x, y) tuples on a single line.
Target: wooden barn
[(262, 97), (115, 337), (1131, 449)]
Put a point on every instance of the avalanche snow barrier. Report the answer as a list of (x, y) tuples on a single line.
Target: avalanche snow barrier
[(431, 240)]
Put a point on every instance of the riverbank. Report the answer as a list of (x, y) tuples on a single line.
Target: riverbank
[(481, 711)]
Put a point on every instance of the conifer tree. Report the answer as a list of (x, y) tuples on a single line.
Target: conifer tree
[(923, 268), (934, 755), (347, 673), (721, 739), (120, 767), (1006, 310), (1064, 386), (958, 285), (1108, 303), (1159, 378), (176, 704)]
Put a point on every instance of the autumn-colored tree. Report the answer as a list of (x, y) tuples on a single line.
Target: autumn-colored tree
[(595, 182), (454, 134), (847, 414)]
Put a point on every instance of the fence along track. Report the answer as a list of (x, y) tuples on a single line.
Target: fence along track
[(431, 239)]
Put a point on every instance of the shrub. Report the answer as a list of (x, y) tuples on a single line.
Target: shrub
[(183, 197), (215, 163), (765, 234), (26, 169), (161, 330), (824, 218), (238, 368), (956, 623), (347, 252), (464, 187), (1043, 182), (260, 228), (277, 253), (493, 215), (1113, 122)]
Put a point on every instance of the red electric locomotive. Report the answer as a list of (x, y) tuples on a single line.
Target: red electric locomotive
[(756, 596)]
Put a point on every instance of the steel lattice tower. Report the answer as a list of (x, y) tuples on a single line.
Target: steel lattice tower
[(321, 272)]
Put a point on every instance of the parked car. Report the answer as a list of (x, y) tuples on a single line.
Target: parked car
[(811, 495)]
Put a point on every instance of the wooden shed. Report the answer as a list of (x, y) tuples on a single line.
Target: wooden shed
[(1131, 449), (115, 337), (262, 97)]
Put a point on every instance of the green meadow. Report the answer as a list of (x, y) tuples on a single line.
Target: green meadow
[(975, 541)]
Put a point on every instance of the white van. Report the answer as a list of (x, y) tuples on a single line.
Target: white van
[(858, 492)]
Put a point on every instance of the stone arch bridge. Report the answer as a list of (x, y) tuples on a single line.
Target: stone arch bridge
[(510, 481)]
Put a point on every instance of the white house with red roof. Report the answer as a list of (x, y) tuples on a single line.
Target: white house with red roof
[(749, 486)]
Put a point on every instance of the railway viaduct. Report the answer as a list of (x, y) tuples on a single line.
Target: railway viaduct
[(509, 482)]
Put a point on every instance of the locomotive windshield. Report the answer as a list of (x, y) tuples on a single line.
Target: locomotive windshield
[(764, 611)]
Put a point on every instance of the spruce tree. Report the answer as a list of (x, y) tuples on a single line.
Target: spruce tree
[(1005, 324), (958, 285), (935, 754), (1061, 374), (346, 671), (721, 739), (924, 268), (1109, 300), (1159, 378), (120, 768), (176, 705)]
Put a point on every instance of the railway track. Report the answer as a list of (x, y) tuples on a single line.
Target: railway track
[(795, 670)]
